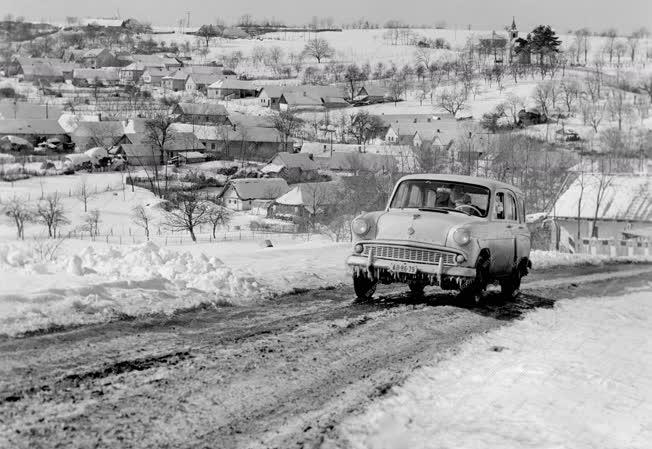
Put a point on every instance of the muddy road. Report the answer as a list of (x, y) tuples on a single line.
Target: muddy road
[(281, 373)]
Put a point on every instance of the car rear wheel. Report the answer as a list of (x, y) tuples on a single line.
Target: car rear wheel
[(364, 286)]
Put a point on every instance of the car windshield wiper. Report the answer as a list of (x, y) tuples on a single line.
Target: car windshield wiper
[(434, 209)]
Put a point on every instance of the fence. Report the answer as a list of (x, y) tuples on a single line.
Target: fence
[(174, 239), (616, 248)]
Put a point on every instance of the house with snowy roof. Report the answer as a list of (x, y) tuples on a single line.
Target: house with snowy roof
[(293, 167), (606, 206), (201, 113), (240, 194), (308, 199)]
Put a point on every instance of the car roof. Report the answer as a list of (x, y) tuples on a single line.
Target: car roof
[(486, 182)]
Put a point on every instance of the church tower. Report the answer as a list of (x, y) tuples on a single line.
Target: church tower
[(512, 32)]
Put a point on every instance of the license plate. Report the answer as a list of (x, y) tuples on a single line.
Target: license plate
[(404, 268)]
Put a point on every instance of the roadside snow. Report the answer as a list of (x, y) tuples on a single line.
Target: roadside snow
[(577, 375), (542, 260)]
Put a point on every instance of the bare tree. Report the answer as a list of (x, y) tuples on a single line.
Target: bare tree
[(618, 107), (452, 100), (512, 106), (141, 218), (603, 181), (20, 213), (159, 136), (187, 211), (646, 85), (84, 193), (92, 222), (593, 113), (288, 124), (364, 126), (570, 92), (544, 97), (610, 36), (51, 213), (218, 216), (319, 49)]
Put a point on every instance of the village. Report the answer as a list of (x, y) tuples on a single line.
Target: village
[(165, 186)]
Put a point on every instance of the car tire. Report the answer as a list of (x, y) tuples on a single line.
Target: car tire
[(510, 287), (416, 288), (364, 286), (475, 288)]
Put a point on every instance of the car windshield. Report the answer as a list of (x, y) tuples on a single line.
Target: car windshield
[(442, 195)]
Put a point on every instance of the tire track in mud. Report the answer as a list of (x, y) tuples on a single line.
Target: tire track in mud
[(282, 374)]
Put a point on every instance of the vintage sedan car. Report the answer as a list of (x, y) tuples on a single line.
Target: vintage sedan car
[(457, 232)]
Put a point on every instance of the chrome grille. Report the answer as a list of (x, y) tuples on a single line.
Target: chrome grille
[(409, 254)]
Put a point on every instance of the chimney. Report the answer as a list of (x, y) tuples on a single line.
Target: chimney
[(429, 119), (415, 120), (438, 131), (311, 156), (234, 127)]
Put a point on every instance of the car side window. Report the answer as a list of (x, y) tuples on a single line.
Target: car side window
[(510, 208), (499, 206)]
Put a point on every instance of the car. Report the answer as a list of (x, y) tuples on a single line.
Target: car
[(457, 232)]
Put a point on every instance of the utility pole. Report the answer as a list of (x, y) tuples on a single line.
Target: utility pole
[(187, 19)]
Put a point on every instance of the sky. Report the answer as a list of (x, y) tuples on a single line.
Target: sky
[(563, 15)]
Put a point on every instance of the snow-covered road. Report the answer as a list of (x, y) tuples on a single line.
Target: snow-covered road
[(288, 373)]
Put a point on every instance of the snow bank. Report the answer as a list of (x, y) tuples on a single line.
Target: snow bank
[(577, 375), (542, 260), (99, 285)]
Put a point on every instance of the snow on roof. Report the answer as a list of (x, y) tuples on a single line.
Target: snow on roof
[(358, 161), (34, 126), (202, 109), (258, 188), (311, 194), (105, 74), (292, 160), (233, 84), (624, 197)]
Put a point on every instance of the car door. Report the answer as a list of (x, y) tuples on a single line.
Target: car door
[(501, 236), (522, 232), (511, 229)]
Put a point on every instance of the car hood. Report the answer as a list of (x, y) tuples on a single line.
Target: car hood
[(419, 226)]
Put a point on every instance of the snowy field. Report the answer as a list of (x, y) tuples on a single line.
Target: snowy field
[(577, 375)]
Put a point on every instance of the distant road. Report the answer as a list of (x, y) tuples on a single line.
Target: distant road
[(281, 374)]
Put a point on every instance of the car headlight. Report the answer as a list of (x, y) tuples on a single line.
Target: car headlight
[(360, 226), (462, 236)]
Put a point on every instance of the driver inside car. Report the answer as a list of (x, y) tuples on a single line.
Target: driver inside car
[(459, 197)]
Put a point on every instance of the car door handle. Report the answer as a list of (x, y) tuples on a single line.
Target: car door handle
[(509, 226)]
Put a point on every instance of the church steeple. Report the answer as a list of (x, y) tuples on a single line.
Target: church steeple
[(513, 23)]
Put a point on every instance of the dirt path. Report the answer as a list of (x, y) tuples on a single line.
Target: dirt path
[(274, 375)]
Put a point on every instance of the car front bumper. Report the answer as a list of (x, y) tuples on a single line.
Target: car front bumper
[(363, 262)]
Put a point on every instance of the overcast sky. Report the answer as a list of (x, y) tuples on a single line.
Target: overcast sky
[(624, 15)]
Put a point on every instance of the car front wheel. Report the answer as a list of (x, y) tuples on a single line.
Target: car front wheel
[(364, 286), (510, 287)]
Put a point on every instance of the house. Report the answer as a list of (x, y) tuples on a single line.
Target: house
[(300, 101), (439, 133), (40, 69), (176, 80), (305, 96), (624, 209), (97, 57), (307, 200), (34, 131), (239, 194), (183, 143), (356, 163), (228, 141), (138, 154), (232, 88), (201, 113), (153, 76), (293, 167), (132, 73), (96, 77), (147, 61), (24, 110), (97, 134), (200, 81), (373, 93)]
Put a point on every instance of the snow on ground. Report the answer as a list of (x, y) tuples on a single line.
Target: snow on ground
[(85, 283), (577, 375)]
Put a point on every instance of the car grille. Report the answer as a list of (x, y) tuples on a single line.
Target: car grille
[(408, 254)]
